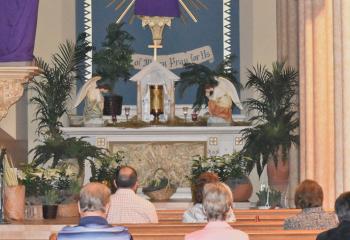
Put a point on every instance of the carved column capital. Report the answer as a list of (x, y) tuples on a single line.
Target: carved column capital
[(11, 85)]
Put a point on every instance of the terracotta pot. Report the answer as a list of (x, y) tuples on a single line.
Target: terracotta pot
[(278, 177), (34, 212), (241, 188), (68, 210), (14, 202)]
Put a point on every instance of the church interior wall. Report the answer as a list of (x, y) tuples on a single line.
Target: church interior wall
[(257, 45)]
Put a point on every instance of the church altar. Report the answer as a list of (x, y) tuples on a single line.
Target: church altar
[(161, 146)]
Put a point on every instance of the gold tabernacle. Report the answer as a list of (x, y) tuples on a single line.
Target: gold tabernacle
[(156, 100)]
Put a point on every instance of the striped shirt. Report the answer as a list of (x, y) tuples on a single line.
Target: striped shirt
[(128, 207)]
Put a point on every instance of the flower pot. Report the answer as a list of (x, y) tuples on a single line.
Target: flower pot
[(241, 188), (278, 176), (112, 105), (50, 211), (34, 212), (14, 202), (68, 210)]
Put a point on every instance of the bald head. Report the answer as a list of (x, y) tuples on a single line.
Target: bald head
[(126, 177), (94, 197)]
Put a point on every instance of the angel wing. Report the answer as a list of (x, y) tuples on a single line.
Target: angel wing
[(226, 86), (91, 83)]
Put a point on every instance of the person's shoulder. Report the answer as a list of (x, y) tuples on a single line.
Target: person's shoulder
[(240, 235), (327, 235), (291, 222), (196, 235)]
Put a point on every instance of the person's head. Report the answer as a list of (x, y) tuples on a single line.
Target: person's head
[(217, 201), (204, 178), (308, 194), (126, 177), (94, 200), (342, 207)]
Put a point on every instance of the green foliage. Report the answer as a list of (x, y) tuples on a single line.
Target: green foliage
[(39, 181), (51, 197), (113, 60), (275, 122), (202, 76), (53, 86), (274, 197), (104, 169), (159, 181), (58, 149), (233, 165)]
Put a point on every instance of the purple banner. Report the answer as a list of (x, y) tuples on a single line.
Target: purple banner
[(17, 29), (163, 8)]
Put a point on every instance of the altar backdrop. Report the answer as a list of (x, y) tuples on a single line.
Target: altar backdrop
[(208, 31)]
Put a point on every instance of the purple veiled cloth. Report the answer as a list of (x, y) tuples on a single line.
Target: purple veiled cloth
[(163, 8), (17, 29)]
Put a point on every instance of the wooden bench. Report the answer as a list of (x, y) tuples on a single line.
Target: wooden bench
[(267, 235), (241, 215)]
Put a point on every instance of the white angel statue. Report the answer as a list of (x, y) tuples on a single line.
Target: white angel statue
[(93, 110), (220, 100)]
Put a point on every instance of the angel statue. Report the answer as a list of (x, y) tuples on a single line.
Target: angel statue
[(220, 101), (93, 110)]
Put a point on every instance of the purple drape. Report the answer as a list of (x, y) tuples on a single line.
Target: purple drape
[(17, 29), (163, 8)]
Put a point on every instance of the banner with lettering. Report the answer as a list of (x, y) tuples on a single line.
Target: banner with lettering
[(177, 60)]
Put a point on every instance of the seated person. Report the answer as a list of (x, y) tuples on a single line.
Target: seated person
[(309, 197), (196, 214), (342, 209), (126, 205), (94, 202), (217, 201)]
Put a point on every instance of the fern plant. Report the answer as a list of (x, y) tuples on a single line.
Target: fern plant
[(275, 120)]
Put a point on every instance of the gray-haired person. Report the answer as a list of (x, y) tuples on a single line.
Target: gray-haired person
[(94, 202), (217, 201)]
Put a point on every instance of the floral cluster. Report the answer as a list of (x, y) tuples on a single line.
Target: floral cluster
[(233, 165), (40, 181)]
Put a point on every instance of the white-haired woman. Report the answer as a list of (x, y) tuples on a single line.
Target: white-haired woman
[(217, 201)]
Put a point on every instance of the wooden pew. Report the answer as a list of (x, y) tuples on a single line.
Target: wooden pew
[(241, 215), (267, 235)]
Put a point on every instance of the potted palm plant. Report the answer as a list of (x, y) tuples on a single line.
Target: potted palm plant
[(274, 122), (52, 92), (113, 62)]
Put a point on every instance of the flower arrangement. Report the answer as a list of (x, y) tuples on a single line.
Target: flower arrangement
[(41, 182), (233, 165), (268, 197)]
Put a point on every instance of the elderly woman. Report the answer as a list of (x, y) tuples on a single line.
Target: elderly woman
[(217, 200), (196, 214), (309, 197), (342, 232)]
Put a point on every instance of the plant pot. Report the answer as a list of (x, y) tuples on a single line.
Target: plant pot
[(50, 211), (34, 212), (14, 202), (68, 210), (278, 177), (112, 105), (241, 188)]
